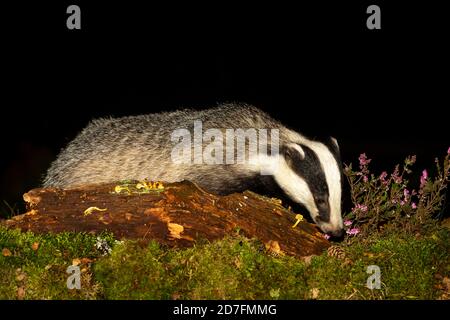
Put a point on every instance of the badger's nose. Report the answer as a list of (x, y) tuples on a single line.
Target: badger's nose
[(337, 233)]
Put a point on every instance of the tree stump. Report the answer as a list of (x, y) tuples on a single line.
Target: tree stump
[(178, 216)]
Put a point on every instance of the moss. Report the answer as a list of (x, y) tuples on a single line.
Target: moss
[(233, 268), (37, 264)]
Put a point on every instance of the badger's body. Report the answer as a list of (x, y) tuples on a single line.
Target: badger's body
[(138, 147)]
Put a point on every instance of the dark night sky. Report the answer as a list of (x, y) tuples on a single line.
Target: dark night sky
[(315, 67)]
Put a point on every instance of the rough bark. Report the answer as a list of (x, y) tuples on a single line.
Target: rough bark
[(179, 216)]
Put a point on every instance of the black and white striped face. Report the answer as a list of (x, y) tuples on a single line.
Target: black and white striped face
[(311, 174)]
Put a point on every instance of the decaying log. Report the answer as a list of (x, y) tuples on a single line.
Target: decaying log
[(178, 216)]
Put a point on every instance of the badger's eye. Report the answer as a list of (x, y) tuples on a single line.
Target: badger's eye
[(320, 201)]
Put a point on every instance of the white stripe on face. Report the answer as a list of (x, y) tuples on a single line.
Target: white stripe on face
[(333, 179), (295, 187), (298, 190)]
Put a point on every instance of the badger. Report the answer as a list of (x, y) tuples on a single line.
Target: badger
[(308, 172)]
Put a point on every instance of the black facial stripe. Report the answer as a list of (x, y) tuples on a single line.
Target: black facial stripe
[(311, 170), (337, 156)]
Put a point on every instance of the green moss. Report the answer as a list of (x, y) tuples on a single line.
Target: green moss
[(233, 268), (38, 264)]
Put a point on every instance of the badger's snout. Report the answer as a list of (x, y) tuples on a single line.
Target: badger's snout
[(339, 233), (332, 229)]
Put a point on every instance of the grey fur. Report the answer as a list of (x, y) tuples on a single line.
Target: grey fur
[(138, 147)]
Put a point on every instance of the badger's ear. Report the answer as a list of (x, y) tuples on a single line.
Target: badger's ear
[(293, 151), (335, 142)]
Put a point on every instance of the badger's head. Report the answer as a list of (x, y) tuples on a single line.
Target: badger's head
[(310, 173)]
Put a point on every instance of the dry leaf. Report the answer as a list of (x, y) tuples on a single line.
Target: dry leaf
[(128, 216), (307, 259), (371, 255), (347, 262), (315, 293), (238, 262), (20, 293), (176, 296), (274, 247), (85, 260), (32, 212), (20, 277), (446, 282), (35, 246), (76, 262), (6, 252), (175, 230)]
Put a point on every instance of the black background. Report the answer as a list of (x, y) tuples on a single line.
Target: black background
[(164, 309), (315, 66)]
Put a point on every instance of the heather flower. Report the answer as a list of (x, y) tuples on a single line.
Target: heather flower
[(383, 176), (425, 174), (353, 231), (410, 160), (326, 236), (390, 198), (395, 175), (361, 207), (423, 179), (363, 161), (406, 193)]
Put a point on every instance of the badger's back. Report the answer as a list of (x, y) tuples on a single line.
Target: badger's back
[(138, 147)]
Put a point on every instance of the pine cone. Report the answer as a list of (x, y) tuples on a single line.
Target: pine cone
[(337, 252)]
